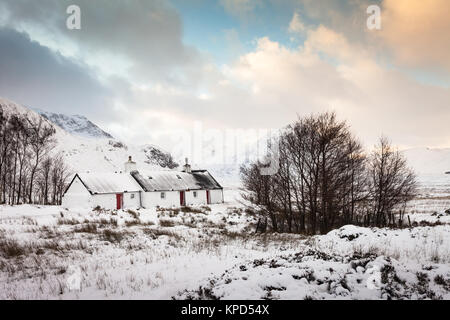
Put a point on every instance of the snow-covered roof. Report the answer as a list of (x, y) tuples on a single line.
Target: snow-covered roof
[(109, 182), (98, 183), (175, 180)]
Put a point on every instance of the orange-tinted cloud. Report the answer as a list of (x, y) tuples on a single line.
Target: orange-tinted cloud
[(418, 32)]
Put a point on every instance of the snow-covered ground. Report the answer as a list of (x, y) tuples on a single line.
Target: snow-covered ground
[(348, 263), (142, 254), (212, 252)]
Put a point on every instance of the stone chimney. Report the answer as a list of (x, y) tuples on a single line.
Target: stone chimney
[(130, 165), (187, 167)]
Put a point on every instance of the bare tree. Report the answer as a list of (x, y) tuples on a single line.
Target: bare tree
[(29, 173), (392, 183), (60, 174), (325, 180), (260, 192), (44, 178), (41, 143)]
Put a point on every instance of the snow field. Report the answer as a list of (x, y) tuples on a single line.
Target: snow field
[(212, 253)]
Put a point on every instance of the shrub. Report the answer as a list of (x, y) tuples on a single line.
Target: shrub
[(440, 280), (113, 236), (155, 233), (133, 213), (131, 223), (206, 208), (73, 221), (12, 249), (104, 222), (166, 223), (192, 210), (87, 228)]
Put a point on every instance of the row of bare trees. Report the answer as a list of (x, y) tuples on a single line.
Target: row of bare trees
[(325, 180), (29, 172)]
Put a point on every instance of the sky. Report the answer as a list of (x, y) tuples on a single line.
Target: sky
[(144, 69)]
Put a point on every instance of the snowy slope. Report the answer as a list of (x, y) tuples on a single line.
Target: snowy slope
[(102, 155), (76, 125)]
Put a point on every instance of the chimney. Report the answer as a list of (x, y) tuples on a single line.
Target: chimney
[(130, 165), (187, 167)]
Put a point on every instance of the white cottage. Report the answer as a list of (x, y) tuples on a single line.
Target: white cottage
[(135, 189)]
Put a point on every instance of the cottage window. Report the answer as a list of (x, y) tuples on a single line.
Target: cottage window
[(195, 194), (163, 195), (132, 196)]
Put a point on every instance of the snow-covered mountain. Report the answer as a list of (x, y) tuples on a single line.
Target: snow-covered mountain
[(86, 147), (75, 124), (10, 108)]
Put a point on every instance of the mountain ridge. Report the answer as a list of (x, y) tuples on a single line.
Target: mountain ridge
[(86, 147), (75, 124)]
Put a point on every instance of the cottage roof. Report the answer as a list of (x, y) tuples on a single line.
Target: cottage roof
[(98, 183), (174, 180), (109, 182)]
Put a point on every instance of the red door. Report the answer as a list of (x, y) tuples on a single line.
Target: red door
[(119, 201), (182, 202), (208, 198)]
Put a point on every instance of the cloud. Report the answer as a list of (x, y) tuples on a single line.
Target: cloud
[(38, 77), (156, 85), (344, 17), (142, 41), (417, 32), (296, 25), (270, 86), (335, 45), (414, 33), (124, 45), (374, 99)]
